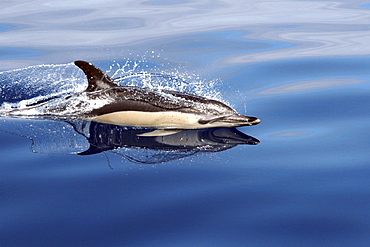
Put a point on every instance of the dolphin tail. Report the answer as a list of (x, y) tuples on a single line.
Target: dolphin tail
[(96, 78)]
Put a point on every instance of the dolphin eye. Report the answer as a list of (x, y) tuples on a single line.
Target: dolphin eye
[(203, 121)]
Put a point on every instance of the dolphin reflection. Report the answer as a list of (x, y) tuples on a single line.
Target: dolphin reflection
[(104, 137), (137, 145)]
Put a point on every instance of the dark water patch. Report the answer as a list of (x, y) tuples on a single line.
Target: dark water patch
[(8, 53), (365, 5), (6, 27), (207, 202)]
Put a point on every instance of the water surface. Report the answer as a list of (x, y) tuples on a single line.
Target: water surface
[(300, 66)]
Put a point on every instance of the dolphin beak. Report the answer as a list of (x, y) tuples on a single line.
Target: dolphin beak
[(241, 120)]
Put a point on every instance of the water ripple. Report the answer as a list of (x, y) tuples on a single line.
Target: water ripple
[(312, 28)]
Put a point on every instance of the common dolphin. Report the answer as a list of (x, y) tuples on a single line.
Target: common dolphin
[(161, 109)]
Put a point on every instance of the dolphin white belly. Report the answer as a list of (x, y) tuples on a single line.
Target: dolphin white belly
[(167, 120)]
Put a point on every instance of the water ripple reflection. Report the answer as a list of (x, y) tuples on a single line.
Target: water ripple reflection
[(311, 28)]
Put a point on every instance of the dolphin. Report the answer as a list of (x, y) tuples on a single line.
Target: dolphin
[(153, 108)]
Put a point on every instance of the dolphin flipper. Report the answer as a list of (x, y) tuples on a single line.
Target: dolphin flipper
[(96, 78)]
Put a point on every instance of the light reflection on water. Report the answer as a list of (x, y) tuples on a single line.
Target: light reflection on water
[(300, 66), (105, 31)]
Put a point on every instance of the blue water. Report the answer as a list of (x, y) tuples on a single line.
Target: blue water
[(302, 67)]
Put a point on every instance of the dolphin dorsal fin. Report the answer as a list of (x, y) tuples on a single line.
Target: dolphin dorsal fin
[(96, 78)]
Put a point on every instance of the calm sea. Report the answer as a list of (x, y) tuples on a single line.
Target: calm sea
[(302, 67)]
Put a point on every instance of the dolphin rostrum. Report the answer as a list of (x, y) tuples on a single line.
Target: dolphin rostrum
[(162, 109)]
